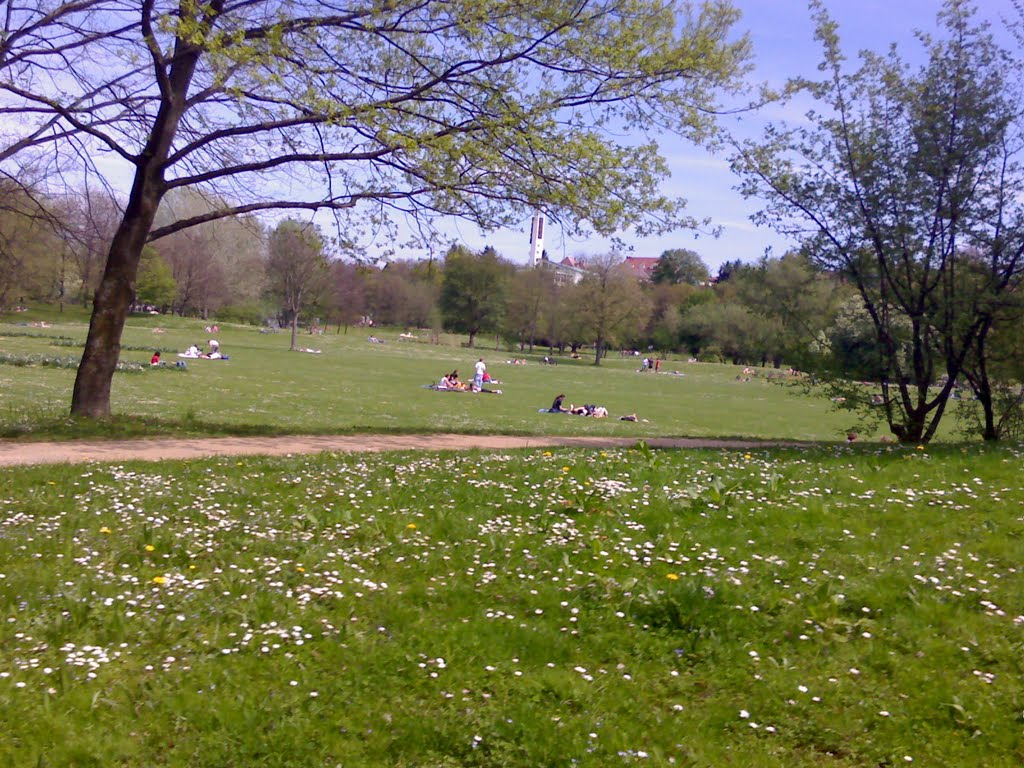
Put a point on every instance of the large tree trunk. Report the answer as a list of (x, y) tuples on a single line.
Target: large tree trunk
[(91, 395)]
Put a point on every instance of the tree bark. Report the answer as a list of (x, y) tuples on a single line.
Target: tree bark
[(113, 297)]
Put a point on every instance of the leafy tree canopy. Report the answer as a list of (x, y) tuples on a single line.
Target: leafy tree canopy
[(156, 284), (473, 291), (680, 265)]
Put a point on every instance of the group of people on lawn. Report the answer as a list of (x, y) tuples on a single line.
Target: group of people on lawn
[(451, 383), (597, 411), (213, 353), (194, 353), (481, 377)]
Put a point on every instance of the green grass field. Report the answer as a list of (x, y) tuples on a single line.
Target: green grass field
[(841, 607), (355, 386)]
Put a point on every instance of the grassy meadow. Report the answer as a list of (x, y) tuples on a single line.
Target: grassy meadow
[(354, 385), (844, 606)]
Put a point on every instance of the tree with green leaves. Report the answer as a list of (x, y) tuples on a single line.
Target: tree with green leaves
[(473, 291), (296, 268), (530, 299), (665, 322), (607, 306), (994, 369), (728, 329), (375, 112), (680, 265), (796, 297), (887, 184), (156, 285)]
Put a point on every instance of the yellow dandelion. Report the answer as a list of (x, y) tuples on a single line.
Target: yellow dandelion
[(411, 526), (672, 576), (547, 453), (920, 447), (104, 529), (159, 579), (300, 569), (746, 456), (150, 548), (565, 469)]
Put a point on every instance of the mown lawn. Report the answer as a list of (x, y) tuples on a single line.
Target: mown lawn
[(353, 386), (840, 607)]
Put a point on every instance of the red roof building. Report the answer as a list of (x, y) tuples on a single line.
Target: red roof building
[(642, 266)]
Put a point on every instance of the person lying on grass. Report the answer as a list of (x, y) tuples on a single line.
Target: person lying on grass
[(597, 411)]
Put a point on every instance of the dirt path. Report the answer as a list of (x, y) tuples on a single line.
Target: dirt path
[(14, 453)]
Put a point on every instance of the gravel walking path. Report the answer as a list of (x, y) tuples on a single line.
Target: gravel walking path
[(16, 453)]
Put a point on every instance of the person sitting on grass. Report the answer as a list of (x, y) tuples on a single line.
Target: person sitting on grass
[(556, 406), (454, 383), (155, 359)]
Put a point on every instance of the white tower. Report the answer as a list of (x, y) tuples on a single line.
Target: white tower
[(537, 239)]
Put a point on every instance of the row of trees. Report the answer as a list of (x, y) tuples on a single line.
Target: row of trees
[(54, 247), (787, 311), (377, 113)]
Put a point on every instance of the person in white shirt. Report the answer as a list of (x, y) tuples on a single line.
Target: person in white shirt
[(478, 376)]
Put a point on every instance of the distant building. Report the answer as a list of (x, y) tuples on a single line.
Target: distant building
[(566, 271), (537, 239), (642, 267)]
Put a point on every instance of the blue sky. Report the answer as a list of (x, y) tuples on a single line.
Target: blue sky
[(781, 33), (783, 44)]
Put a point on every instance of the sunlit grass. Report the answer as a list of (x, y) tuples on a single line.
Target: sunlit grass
[(355, 386), (844, 607)]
